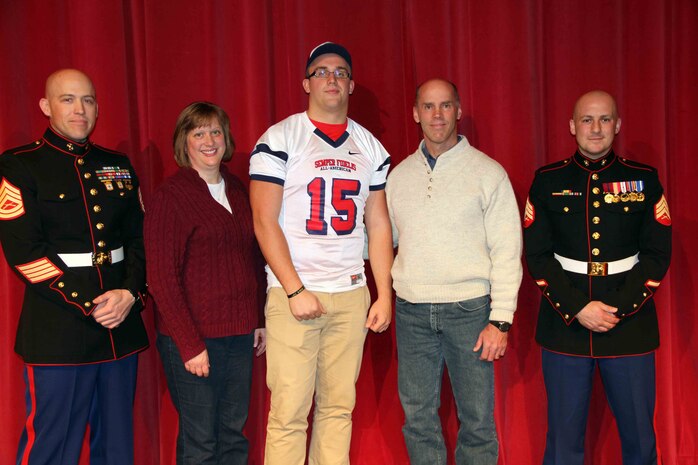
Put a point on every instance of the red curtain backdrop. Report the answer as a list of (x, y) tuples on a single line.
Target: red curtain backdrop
[(519, 66)]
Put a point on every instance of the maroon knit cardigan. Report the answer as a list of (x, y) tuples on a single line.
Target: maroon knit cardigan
[(204, 268)]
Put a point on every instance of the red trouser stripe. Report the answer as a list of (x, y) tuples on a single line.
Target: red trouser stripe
[(660, 461), (31, 434)]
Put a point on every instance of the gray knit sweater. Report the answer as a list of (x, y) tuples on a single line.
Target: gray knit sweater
[(458, 230)]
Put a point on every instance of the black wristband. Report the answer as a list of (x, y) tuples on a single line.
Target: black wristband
[(293, 294), (503, 326)]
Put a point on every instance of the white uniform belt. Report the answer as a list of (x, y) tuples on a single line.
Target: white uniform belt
[(92, 259), (597, 268)]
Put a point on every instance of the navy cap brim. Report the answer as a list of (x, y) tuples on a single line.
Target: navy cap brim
[(324, 49)]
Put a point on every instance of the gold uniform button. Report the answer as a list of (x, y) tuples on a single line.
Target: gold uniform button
[(100, 226), (596, 235), (557, 304), (596, 220), (625, 209), (81, 161), (87, 304), (548, 294), (429, 187), (567, 317), (644, 294), (87, 175), (122, 193), (595, 177), (596, 190), (97, 208), (597, 204), (101, 243), (61, 284), (595, 251), (634, 305), (93, 191), (74, 294), (61, 196), (566, 209)]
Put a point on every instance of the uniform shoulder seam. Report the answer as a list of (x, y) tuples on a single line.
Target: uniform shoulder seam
[(31, 147), (113, 152), (554, 166), (636, 164)]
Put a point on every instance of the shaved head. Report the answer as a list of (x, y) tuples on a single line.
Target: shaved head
[(70, 104), (595, 96), (55, 80), (595, 123)]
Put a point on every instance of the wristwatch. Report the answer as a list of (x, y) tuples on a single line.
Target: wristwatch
[(503, 326)]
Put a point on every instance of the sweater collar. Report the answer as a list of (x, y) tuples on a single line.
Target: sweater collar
[(193, 176), (462, 143)]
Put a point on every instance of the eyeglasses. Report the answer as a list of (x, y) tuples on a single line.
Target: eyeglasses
[(324, 73)]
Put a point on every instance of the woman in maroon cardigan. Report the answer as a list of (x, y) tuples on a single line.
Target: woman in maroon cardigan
[(205, 273)]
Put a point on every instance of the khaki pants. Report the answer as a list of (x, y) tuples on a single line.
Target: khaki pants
[(321, 355)]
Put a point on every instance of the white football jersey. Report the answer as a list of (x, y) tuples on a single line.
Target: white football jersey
[(325, 187)]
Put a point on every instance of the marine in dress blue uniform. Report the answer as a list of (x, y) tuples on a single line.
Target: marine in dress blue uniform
[(597, 233), (71, 228)]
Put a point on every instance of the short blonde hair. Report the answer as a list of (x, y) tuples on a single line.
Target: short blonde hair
[(194, 116)]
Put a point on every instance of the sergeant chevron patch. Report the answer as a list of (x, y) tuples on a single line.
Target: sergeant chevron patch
[(661, 212), (11, 204), (529, 215)]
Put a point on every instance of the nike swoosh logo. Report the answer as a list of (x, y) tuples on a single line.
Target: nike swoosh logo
[(354, 153)]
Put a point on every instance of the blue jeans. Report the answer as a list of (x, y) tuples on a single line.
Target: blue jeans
[(212, 411), (427, 336)]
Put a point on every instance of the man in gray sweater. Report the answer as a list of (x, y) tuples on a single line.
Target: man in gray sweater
[(456, 276)]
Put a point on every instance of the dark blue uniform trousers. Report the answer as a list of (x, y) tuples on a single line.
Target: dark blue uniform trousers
[(629, 383), (62, 400)]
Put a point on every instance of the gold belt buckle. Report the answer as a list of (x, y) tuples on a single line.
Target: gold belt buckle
[(101, 258), (597, 268)]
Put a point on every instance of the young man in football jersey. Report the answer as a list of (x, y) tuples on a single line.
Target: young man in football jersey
[(317, 186)]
